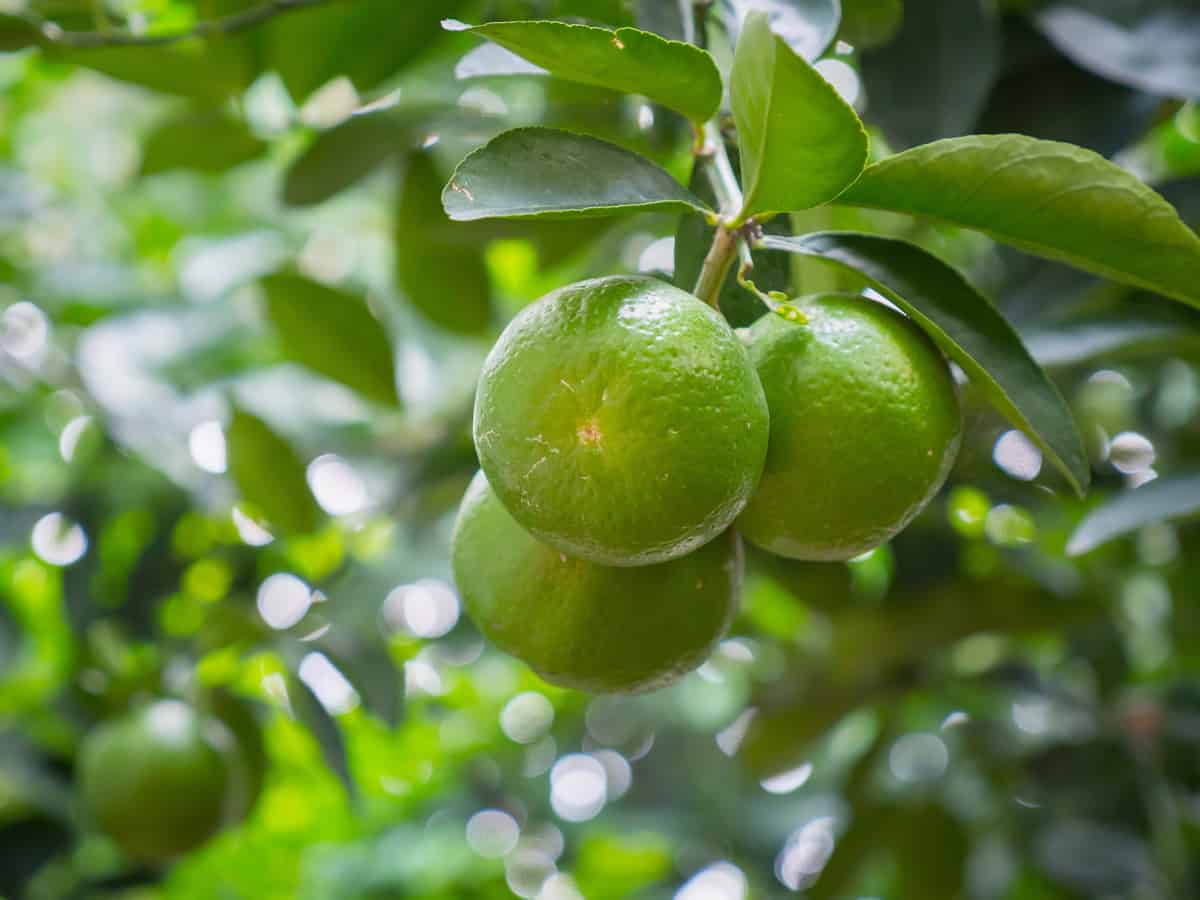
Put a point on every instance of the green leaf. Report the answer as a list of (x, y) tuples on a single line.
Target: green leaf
[(310, 713), (1050, 199), (333, 332), (443, 277), (338, 158), (205, 140), (679, 76), (541, 172), (16, 34), (366, 41), (808, 26), (1158, 53), (967, 328), (1161, 500), (1137, 332), (801, 144), (932, 81), (870, 23), (270, 475), (210, 73)]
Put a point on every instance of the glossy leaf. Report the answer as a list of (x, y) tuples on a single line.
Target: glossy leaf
[(932, 79), (540, 172), (1046, 198), (680, 76), (801, 144), (808, 26), (1158, 52), (967, 328), (333, 332), (443, 277), (1164, 499), (269, 474), (204, 140)]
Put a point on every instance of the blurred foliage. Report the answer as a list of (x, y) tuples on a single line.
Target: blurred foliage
[(238, 345)]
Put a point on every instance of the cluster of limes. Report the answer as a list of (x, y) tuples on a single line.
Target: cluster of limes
[(162, 780), (627, 436)]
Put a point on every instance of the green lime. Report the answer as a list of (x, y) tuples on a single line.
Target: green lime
[(154, 781), (604, 629), (620, 421), (865, 427)]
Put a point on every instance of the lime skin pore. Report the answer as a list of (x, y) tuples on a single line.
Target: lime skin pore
[(602, 629), (619, 420)]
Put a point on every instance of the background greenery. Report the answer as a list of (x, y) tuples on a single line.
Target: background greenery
[(238, 347)]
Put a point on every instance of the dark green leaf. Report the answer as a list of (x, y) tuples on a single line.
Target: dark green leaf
[(801, 144), (1136, 332), (210, 73), (1158, 53), (202, 139), (870, 23), (16, 34), (342, 156), (967, 328), (333, 332), (444, 277), (365, 41), (930, 848), (679, 76), (309, 712), (1046, 198), (1162, 500), (808, 26), (932, 79), (363, 657), (269, 474), (540, 172)]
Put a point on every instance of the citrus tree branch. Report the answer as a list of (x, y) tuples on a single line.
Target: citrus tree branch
[(53, 34), (715, 162)]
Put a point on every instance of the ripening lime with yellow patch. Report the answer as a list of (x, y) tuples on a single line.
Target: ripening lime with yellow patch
[(578, 624), (865, 426), (620, 421)]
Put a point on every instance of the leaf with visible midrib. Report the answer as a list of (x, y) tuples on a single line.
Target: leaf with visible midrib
[(541, 172), (801, 144), (270, 475), (333, 333), (679, 76), (1163, 499), (967, 328), (1051, 199)]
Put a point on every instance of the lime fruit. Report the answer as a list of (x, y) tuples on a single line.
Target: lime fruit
[(865, 425), (603, 629), (619, 420), (154, 781)]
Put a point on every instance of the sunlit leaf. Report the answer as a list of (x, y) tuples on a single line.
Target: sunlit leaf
[(309, 712), (801, 144), (1046, 198), (205, 140), (1155, 50), (540, 172), (1164, 499), (269, 474), (679, 76), (967, 328), (334, 333)]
